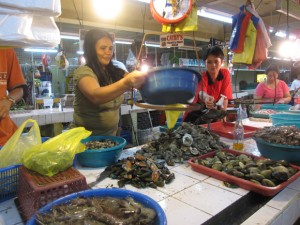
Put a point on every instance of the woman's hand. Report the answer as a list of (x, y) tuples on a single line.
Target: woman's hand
[(280, 101), (135, 79), (209, 101), (4, 107)]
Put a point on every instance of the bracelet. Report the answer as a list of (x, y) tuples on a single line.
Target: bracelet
[(11, 99)]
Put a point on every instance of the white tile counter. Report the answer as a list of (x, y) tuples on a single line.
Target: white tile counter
[(54, 115), (193, 198), (43, 116)]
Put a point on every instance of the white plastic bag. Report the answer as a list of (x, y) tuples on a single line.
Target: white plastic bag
[(34, 7), (26, 30)]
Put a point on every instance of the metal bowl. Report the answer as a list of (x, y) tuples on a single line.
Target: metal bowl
[(166, 86)]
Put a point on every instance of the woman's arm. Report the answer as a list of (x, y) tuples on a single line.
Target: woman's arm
[(90, 88)]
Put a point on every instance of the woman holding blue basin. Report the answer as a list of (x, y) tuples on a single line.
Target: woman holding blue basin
[(99, 86)]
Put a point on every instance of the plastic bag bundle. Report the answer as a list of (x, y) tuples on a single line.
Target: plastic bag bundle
[(25, 30), (56, 154), (34, 7), (29, 23), (249, 40)]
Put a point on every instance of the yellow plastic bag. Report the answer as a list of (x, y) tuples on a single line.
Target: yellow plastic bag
[(19, 143), (56, 154), (172, 116)]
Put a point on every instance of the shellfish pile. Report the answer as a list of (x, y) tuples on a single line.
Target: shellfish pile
[(98, 210), (177, 146), (261, 171), (286, 135), (101, 144), (140, 172)]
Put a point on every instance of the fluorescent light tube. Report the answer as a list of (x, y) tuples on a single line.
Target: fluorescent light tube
[(80, 52), (215, 15), (152, 44), (40, 50), (69, 37)]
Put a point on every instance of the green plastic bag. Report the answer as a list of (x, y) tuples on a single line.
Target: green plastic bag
[(19, 143), (56, 154)]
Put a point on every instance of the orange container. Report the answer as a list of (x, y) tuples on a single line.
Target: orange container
[(36, 190)]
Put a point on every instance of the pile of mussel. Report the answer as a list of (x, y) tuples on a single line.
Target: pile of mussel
[(286, 135), (98, 210), (140, 172), (262, 171), (100, 144), (187, 141)]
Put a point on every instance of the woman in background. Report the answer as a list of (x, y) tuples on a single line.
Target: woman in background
[(99, 86), (273, 89)]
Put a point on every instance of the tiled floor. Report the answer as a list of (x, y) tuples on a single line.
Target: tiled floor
[(193, 198)]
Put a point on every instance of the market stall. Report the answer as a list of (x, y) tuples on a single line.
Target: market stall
[(196, 198)]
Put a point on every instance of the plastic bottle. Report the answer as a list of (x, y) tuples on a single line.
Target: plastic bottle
[(238, 132), (297, 100)]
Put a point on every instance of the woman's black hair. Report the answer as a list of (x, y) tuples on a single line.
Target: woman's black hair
[(272, 67), (215, 51), (113, 73)]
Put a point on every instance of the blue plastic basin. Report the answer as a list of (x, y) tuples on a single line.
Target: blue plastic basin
[(170, 85), (278, 151), (288, 123), (284, 117), (101, 157), (278, 107), (148, 202)]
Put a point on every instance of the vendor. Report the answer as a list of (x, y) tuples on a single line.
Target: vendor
[(11, 91), (273, 89), (215, 82), (99, 86)]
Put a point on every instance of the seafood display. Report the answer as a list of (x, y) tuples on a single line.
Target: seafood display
[(177, 146), (100, 144), (98, 210), (286, 135), (261, 171), (140, 172)]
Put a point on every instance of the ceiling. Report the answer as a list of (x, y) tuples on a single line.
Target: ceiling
[(136, 19)]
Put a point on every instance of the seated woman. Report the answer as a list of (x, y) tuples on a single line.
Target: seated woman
[(272, 89)]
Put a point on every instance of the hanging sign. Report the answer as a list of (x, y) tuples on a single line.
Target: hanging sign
[(171, 40)]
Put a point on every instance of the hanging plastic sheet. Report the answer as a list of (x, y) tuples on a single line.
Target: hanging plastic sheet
[(246, 56), (261, 52), (242, 35), (35, 7), (236, 29), (267, 40), (26, 30)]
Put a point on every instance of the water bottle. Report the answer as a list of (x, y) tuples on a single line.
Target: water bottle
[(297, 100), (238, 132)]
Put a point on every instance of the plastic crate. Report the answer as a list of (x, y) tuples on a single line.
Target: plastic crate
[(9, 182), (36, 190)]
